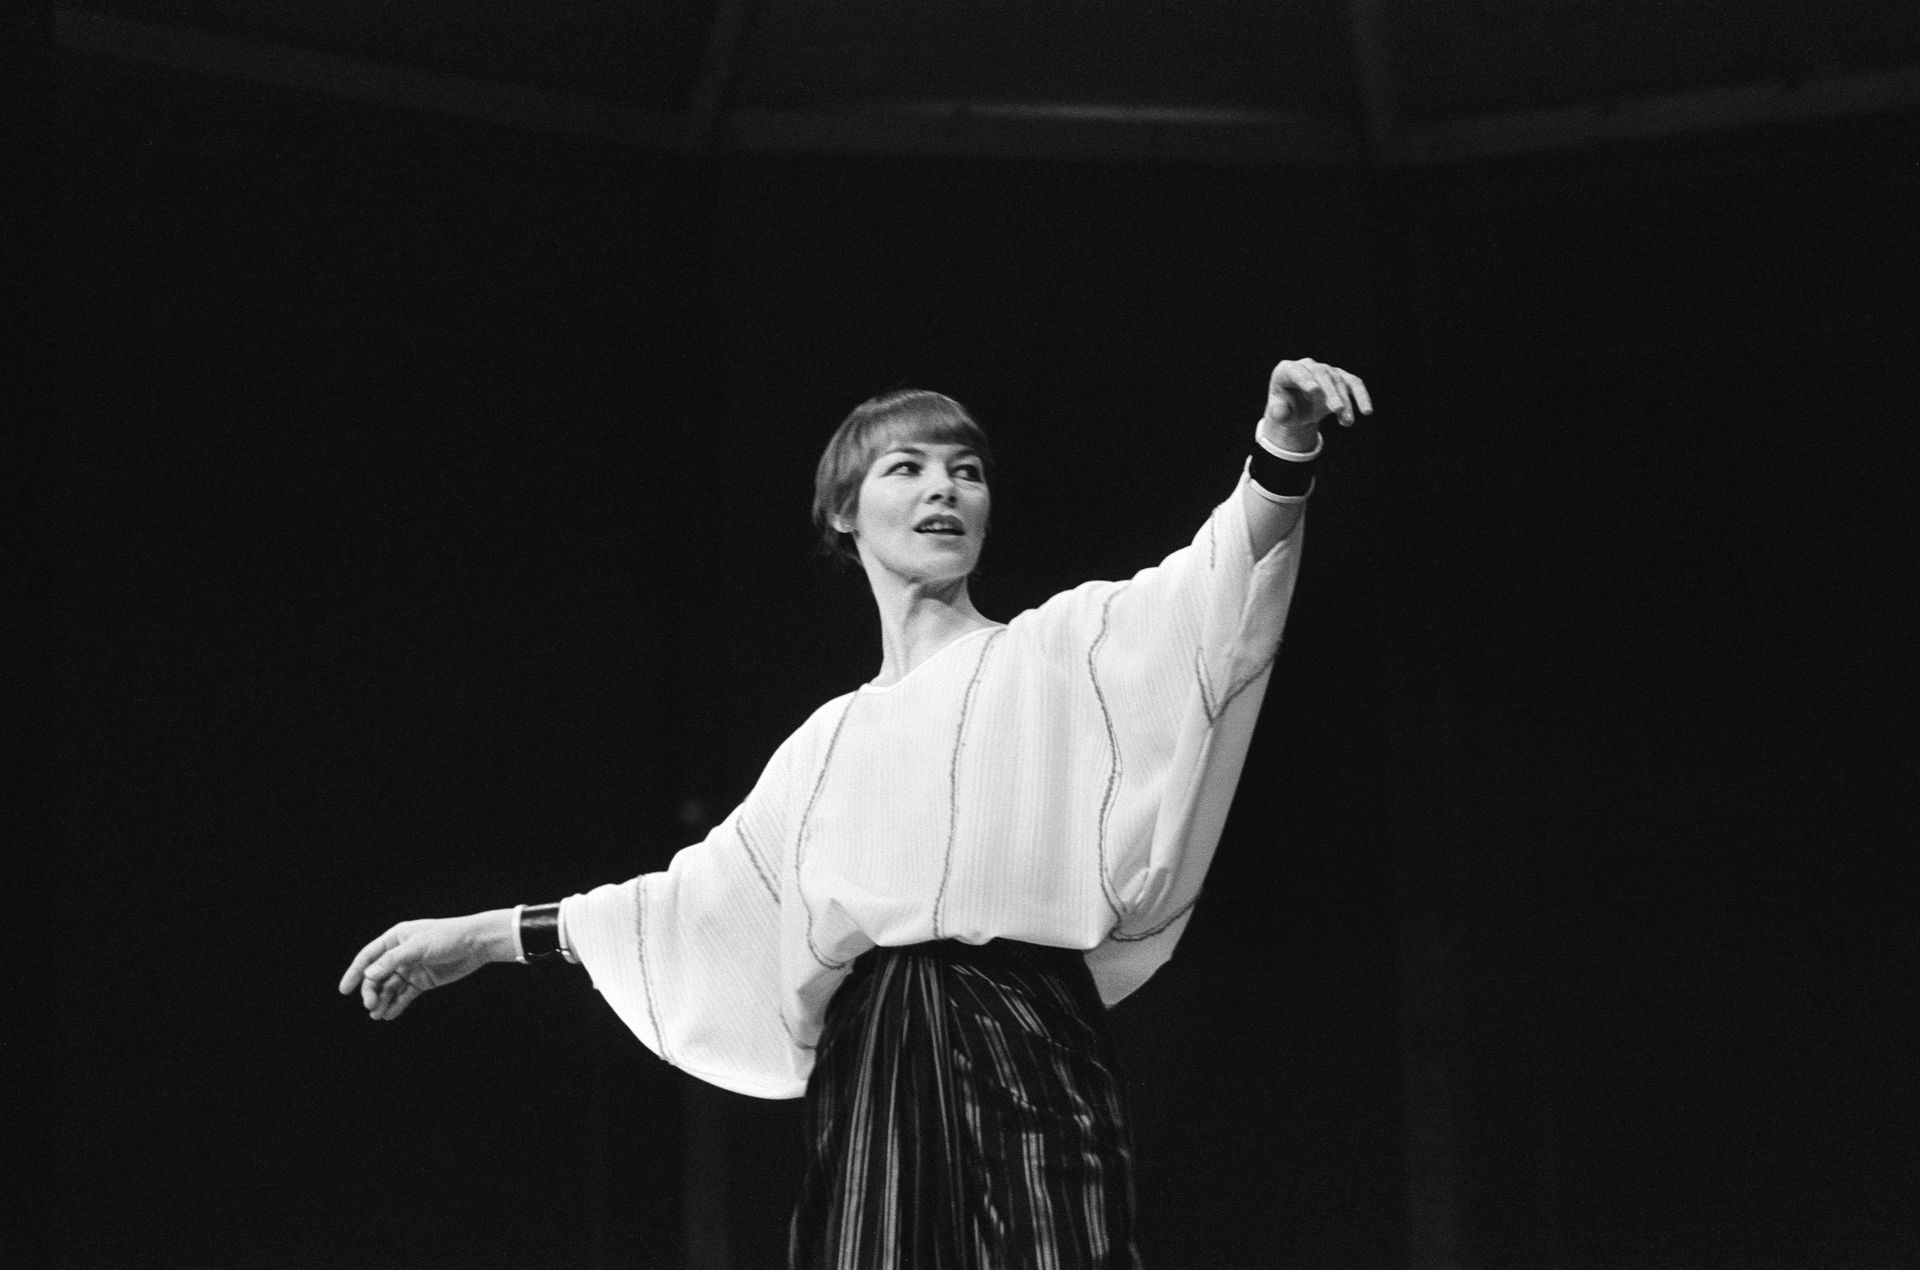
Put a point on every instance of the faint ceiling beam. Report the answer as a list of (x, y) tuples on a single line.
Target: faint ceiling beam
[(362, 80), (1054, 130), (1004, 130), (713, 86), (1664, 115), (1373, 55)]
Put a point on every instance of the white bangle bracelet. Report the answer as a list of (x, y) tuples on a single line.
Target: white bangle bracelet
[(1291, 456)]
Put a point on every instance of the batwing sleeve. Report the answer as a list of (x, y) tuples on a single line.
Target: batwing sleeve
[(689, 957), (1178, 660)]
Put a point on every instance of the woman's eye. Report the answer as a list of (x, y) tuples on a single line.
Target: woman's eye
[(967, 471), (905, 465)]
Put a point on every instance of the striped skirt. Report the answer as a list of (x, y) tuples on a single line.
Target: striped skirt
[(964, 1113)]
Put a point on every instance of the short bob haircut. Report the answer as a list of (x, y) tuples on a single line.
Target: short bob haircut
[(876, 426)]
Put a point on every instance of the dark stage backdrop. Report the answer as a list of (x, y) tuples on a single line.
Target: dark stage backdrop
[(431, 535)]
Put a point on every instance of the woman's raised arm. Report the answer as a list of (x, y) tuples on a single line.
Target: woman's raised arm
[(1300, 394)]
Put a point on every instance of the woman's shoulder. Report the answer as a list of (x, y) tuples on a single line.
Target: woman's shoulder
[(824, 717), (813, 732), (1071, 604), (1061, 624)]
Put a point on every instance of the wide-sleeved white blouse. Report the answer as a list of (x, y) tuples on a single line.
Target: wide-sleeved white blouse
[(1061, 780)]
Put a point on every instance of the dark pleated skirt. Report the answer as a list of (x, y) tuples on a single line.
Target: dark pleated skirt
[(964, 1113)]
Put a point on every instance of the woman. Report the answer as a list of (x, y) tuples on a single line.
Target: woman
[(916, 918)]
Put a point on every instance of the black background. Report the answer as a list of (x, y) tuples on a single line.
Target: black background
[(430, 513)]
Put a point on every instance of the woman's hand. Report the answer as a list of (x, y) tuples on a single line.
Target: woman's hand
[(1302, 393), (413, 957), (1299, 395)]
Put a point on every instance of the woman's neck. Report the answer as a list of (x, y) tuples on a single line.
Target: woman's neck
[(917, 620)]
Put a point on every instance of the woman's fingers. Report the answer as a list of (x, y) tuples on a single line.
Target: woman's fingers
[(376, 971), (1333, 392), (390, 973), (1311, 392), (371, 984), (1314, 390), (1296, 384), (402, 995), (385, 995), (357, 971), (1358, 390), (380, 991)]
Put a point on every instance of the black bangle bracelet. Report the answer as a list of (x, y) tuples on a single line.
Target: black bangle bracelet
[(540, 931), (1286, 478)]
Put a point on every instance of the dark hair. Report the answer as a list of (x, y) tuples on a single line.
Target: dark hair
[(876, 426)]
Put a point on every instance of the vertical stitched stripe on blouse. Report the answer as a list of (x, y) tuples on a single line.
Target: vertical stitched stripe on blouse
[(1206, 686), (754, 858), (1113, 750), (800, 839), (953, 779), (1246, 681), (646, 970)]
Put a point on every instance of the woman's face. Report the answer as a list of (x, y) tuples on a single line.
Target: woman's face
[(922, 512)]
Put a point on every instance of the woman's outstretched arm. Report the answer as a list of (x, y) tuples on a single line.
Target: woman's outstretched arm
[(417, 956), (1300, 394)]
